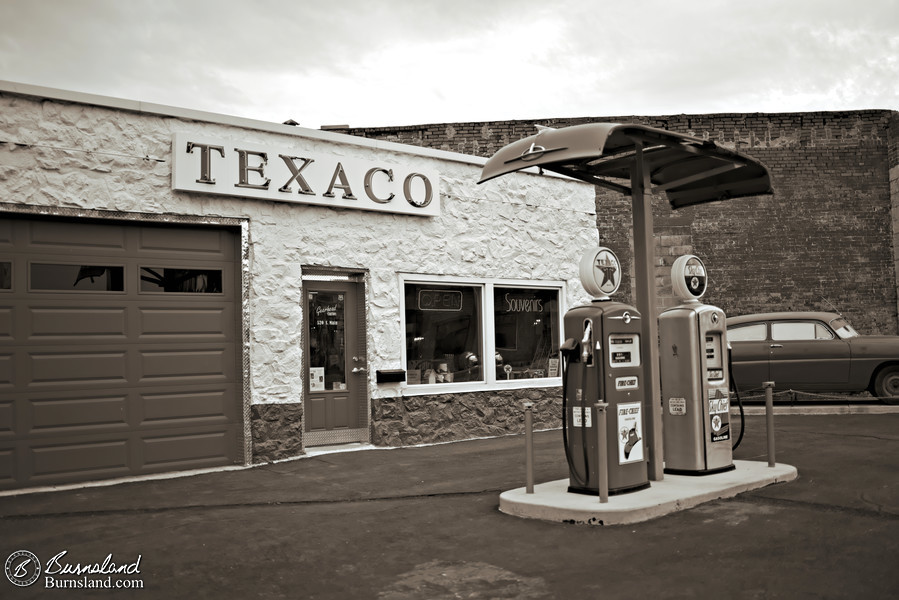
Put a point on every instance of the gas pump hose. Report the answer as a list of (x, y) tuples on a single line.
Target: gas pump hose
[(733, 383), (584, 426), (571, 468)]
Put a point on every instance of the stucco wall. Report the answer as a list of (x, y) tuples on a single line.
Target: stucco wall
[(81, 156)]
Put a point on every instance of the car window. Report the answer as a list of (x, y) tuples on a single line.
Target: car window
[(843, 328), (754, 332), (800, 330)]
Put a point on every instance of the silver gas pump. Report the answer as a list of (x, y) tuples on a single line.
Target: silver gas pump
[(602, 362), (694, 377)]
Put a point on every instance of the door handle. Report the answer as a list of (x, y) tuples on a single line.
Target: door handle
[(776, 346), (360, 370)]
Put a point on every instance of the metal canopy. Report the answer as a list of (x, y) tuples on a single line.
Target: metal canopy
[(687, 169)]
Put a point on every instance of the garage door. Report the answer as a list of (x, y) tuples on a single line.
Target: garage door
[(118, 350)]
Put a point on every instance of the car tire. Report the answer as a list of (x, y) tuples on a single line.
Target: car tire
[(886, 384)]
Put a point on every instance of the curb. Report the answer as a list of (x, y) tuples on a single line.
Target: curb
[(552, 502)]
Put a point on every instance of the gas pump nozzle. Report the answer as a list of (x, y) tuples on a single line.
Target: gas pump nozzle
[(585, 343), (568, 347)]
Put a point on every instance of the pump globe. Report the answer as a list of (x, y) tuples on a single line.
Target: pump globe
[(688, 277), (600, 272)]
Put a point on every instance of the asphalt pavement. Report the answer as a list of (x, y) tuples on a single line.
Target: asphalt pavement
[(423, 523)]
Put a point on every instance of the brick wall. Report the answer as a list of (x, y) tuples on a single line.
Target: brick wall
[(826, 238), (894, 185)]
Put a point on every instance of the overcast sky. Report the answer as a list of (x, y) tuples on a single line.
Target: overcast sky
[(406, 62)]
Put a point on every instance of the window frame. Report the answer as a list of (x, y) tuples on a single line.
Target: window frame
[(488, 332)]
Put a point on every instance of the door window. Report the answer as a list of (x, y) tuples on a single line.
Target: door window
[(327, 340)]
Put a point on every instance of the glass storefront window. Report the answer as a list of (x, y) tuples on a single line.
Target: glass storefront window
[(526, 328), (448, 340), (443, 333)]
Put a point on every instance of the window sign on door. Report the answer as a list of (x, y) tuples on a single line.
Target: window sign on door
[(327, 347)]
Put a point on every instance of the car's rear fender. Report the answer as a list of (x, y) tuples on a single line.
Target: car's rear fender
[(876, 372)]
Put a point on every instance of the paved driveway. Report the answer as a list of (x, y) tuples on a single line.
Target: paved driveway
[(422, 523)]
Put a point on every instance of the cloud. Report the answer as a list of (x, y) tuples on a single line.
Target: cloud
[(400, 62)]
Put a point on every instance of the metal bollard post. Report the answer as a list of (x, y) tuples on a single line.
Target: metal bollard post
[(603, 460), (529, 446), (769, 419)]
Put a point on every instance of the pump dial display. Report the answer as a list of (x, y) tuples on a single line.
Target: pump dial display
[(688, 277), (600, 272)]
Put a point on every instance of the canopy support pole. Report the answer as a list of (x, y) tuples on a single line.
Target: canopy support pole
[(644, 270)]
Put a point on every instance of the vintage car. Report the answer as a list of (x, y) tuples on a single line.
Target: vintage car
[(814, 352)]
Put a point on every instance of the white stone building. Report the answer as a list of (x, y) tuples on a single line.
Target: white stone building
[(183, 290)]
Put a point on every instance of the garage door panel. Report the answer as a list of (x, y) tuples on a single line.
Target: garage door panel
[(89, 458), (211, 242), (7, 323), (5, 233), (7, 418), (61, 323), (186, 366), (7, 370), (7, 468), (78, 368), (73, 415), (158, 324), (204, 406), (209, 448), (56, 235)]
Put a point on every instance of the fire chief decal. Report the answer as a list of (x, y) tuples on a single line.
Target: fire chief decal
[(719, 415), (630, 433)]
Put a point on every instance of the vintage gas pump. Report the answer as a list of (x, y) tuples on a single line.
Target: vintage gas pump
[(694, 377), (602, 362)]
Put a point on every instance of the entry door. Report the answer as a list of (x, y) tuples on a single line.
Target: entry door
[(336, 368)]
